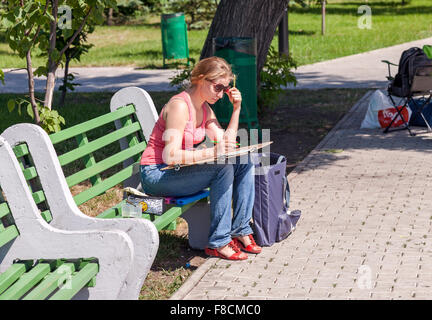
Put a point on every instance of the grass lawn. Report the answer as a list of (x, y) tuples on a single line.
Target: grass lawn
[(297, 125), (392, 23)]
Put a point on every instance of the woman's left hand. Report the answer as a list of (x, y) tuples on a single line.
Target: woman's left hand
[(235, 97)]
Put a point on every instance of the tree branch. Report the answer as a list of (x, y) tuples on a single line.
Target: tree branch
[(53, 30), (77, 32), (39, 27)]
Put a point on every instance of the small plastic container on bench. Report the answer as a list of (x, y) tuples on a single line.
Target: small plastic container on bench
[(131, 211)]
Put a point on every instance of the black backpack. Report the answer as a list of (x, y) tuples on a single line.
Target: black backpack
[(410, 60)]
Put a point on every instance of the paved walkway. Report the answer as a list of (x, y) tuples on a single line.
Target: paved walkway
[(365, 230), (110, 79), (364, 70)]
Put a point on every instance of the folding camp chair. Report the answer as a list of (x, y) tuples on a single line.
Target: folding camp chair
[(421, 86)]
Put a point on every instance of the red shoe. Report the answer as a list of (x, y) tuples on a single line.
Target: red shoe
[(252, 248), (237, 255)]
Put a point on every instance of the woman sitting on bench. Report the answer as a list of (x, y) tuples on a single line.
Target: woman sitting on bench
[(183, 124)]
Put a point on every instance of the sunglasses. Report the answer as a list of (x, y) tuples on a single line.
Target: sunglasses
[(218, 87)]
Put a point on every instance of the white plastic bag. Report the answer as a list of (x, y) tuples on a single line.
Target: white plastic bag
[(381, 111)]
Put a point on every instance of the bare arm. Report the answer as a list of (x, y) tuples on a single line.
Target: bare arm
[(215, 131), (177, 116)]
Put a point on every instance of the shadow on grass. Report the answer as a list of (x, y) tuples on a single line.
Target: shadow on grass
[(174, 252), (300, 32)]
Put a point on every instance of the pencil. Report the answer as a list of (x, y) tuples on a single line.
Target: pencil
[(237, 143)]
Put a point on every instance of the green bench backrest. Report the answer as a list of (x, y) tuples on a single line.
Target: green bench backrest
[(8, 229), (30, 174), (89, 151)]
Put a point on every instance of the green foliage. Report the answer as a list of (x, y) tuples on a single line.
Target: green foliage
[(182, 77), (19, 21), (68, 83), (50, 120), (77, 48), (21, 24), (30, 25), (276, 73), (157, 6), (127, 10), (199, 13), (2, 77), (128, 7)]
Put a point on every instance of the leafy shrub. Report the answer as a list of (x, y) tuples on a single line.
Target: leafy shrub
[(181, 79), (276, 74), (50, 120), (198, 13)]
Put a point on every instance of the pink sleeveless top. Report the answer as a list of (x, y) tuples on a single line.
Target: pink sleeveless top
[(192, 136)]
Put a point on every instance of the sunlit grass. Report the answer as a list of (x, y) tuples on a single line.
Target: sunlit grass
[(141, 45)]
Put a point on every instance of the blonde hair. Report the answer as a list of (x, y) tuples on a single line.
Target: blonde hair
[(211, 69)]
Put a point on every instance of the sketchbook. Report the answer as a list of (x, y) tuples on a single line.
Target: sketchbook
[(235, 153)]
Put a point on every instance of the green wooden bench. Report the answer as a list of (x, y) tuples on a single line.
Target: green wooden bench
[(38, 261), (89, 152)]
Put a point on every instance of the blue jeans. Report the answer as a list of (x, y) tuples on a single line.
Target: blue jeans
[(226, 182)]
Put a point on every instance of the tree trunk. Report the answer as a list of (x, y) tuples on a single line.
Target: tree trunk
[(50, 85), (110, 21), (246, 18), (283, 35), (323, 15), (31, 88), (65, 81), (52, 65)]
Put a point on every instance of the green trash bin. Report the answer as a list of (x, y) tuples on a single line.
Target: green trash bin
[(240, 53), (174, 37)]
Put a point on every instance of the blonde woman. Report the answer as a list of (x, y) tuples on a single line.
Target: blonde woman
[(183, 124)]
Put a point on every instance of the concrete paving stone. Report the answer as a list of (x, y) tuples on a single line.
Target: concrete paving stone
[(234, 297), (196, 296)]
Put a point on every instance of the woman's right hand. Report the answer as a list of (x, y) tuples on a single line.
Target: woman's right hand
[(225, 146)]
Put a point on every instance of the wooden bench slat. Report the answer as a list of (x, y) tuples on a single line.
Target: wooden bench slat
[(21, 150), (89, 160), (8, 234), (98, 144), (11, 275), (38, 196), (105, 164), (30, 173), (76, 282), (131, 140), (91, 124), (4, 210), (170, 215), (51, 282), (112, 212), (26, 282), (103, 186), (161, 222), (47, 215)]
